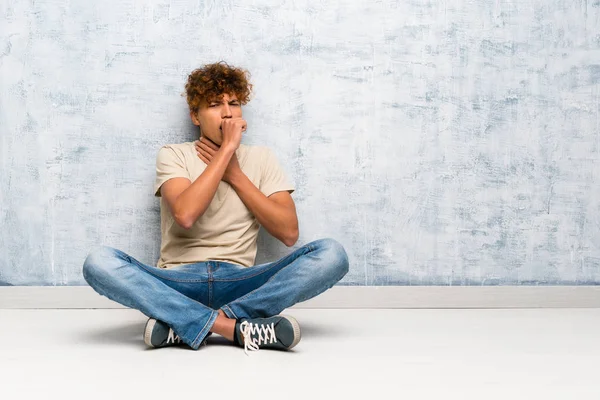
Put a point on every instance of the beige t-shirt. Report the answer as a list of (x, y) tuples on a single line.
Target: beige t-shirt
[(227, 230)]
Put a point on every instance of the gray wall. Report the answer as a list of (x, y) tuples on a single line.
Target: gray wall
[(443, 143)]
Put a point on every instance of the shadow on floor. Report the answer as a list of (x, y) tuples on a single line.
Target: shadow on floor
[(126, 334)]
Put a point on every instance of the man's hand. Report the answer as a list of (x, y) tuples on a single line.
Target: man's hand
[(206, 150), (232, 129)]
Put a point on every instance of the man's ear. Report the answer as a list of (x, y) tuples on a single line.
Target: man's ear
[(194, 117)]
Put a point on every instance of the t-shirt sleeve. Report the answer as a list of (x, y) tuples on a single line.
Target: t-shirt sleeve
[(273, 178), (169, 164)]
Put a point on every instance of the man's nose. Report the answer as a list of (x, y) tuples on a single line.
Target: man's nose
[(226, 113)]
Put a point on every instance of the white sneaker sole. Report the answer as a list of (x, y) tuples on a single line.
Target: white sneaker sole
[(296, 326), (148, 331)]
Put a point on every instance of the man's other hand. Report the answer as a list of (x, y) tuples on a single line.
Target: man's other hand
[(206, 150)]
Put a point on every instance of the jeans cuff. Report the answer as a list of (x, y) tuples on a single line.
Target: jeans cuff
[(229, 312), (211, 320)]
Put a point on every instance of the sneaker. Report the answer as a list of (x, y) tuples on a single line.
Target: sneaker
[(280, 332), (159, 334)]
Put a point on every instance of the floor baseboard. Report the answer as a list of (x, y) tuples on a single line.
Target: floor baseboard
[(347, 297)]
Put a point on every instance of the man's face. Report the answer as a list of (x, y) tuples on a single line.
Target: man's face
[(210, 116)]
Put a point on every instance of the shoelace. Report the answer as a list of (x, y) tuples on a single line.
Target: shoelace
[(173, 338), (248, 328)]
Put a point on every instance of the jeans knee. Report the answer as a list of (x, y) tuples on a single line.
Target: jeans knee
[(335, 255), (97, 262)]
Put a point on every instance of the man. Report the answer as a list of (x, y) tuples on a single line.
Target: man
[(215, 193)]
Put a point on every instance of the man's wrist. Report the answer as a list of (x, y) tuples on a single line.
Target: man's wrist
[(236, 179), (228, 149)]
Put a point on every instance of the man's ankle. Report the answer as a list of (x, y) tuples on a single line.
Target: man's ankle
[(237, 336)]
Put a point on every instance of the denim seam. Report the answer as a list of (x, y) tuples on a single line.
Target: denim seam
[(210, 289), (215, 267)]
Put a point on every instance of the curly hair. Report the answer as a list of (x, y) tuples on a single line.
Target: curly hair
[(210, 82)]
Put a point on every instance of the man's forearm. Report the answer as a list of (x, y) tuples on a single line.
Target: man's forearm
[(193, 201), (275, 218)]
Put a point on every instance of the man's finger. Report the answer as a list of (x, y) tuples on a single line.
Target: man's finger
[(209, 143), (205, 154), (206, 148), (203, 158), (201, 143)]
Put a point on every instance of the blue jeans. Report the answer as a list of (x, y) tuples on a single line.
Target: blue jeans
[(187, 297)]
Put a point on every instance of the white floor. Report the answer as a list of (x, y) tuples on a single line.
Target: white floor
[(387, 354)]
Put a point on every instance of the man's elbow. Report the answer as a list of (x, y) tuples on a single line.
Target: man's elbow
[(183, 221), (184, 224), (291, 238), (185, 218)]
